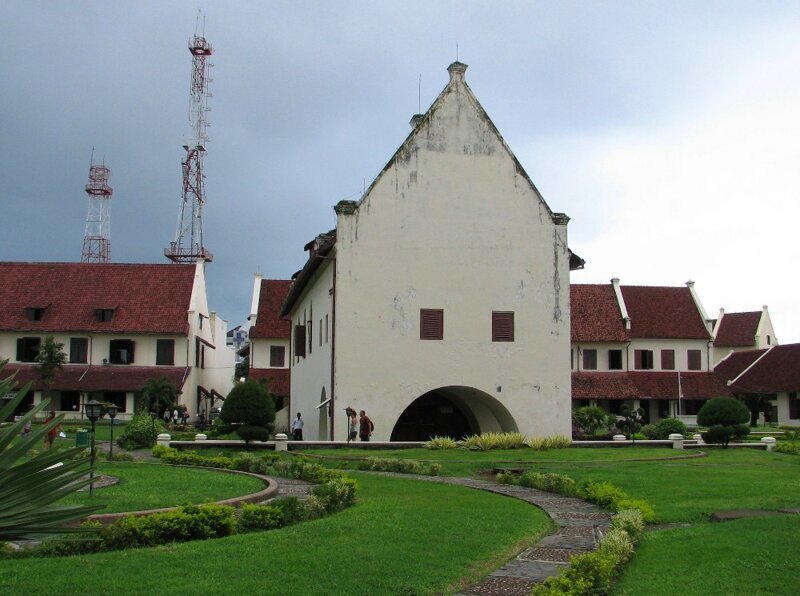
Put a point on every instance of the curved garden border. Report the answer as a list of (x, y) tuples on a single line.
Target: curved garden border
[(262, 495)]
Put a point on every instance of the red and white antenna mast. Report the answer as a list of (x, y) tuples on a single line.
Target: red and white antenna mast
[(188, 244), (97, 238)]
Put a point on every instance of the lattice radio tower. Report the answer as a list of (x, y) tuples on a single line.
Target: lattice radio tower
[(188, 244), (97, 238)]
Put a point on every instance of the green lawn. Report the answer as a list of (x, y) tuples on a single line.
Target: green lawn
[(402, 537), (152, 486), (747, 556)]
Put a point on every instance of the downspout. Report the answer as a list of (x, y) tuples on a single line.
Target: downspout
[(333, 350)]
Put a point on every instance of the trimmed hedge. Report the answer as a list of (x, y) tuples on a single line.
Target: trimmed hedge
[(400, 466)]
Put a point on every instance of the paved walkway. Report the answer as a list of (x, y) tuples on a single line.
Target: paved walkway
[(579, 526)]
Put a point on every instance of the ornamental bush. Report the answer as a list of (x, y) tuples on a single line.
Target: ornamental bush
[(786, 447), (668, 426), (332, 496), (140, 432), (248, 405), (260, 517)]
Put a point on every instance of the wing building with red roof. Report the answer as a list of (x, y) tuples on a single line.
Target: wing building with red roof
[(120, 325)]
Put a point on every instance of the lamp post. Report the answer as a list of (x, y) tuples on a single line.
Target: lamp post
[(112, 413), (94, 410)]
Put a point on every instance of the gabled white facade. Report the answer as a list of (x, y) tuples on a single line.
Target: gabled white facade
[(452, 225)]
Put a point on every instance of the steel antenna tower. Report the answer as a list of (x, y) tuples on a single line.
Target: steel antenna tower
[(97, 238), (188, 244)]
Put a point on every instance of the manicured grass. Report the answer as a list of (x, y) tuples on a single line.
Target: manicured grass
[(747, 556), (689, 490), (152, 486), (402, 537)]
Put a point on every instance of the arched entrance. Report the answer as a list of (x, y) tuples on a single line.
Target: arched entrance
[(454, 412)]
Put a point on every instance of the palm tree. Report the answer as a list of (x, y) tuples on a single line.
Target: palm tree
[(159, 393), (30, 486)]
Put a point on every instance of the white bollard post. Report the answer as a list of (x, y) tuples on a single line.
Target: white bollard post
[(677, 440), (618, 438), (699, 438), (281, 442), (200, 437), (163, 439), (769, 442)]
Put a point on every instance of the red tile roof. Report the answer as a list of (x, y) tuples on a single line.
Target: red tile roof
[(145, 298), (777, 370), (277, 379), (268, 322), (663, 313), (595, 314), (100, 378), (602, 386), (646, 385), (734, 363), (737, 329)]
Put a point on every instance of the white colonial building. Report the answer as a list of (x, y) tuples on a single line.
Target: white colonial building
[(121, 324), (440, 303)]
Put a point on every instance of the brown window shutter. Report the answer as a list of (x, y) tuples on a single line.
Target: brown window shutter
[(694, 358), (431, 323), (300, 340), (637, 356), (667, 359), (502, 326)]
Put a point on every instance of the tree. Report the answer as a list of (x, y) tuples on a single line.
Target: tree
[(242, 370), (631, 421), (51, 358), (756, 403), (29, 486), (589, 418), (249, 410), (159, 394), (725, 417)]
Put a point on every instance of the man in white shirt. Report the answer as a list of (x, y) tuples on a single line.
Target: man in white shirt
[(297, 428)]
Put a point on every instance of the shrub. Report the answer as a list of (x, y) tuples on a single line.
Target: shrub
[(159, 450), (301, 469), (291, 508), (260, 517), (589, 419), (194, 522), (650, 431), (441, 443), (631, 521), (139, 432), (609, 496), (332, 496), (400, 466), (592, 573), (668, 426), (251, 462), (506, 477), (121, 456), (482, 442), (545, 443), (249, 405), (552, 483), (786, 447), (725, 412)]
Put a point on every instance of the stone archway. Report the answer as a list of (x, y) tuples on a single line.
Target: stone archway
[(453, 411)]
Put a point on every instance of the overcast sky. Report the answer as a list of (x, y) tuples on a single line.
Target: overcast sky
[(668, 131)]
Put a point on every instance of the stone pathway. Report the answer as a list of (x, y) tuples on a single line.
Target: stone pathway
[(579, 526), (289, 487)]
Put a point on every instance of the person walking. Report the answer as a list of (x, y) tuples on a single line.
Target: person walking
[(297, 428), (50, 437), (365, 426), (352, 424)]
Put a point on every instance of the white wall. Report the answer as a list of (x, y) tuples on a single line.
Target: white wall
[(453, 224)]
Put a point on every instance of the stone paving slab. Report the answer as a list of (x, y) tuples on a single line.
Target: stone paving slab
[(578, 543), (544, 553), (501, 586)]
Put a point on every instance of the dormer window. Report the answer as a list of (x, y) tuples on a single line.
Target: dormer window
[(103, 315), (34, 313)]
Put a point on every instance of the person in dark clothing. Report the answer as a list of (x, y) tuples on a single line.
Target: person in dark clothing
[(365, 426)]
